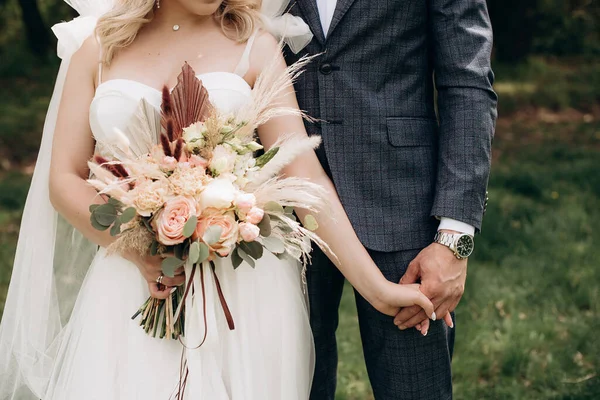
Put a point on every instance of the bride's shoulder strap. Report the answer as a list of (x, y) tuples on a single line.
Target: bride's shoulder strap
[(244, 65)]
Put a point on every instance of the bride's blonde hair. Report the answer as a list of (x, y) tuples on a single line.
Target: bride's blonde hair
[(119, 27)]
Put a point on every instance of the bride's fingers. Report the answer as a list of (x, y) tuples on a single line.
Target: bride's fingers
[(448, 320), (159, 291), (424, 327), (175, 281), (423, 301)]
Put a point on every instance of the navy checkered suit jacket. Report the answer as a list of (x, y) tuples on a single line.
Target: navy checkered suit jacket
[(395, 161)]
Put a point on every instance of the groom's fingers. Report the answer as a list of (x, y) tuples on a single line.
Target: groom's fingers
[(412, 322), (406, 313), (412, 273), (444, 308), (448, 320)]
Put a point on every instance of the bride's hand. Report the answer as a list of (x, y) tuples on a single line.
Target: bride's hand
[(392, 297), (150, 268)]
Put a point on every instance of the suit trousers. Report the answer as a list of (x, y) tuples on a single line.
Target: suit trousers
[(402, 365)]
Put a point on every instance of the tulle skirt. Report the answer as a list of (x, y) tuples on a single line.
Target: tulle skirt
[(268, 356)]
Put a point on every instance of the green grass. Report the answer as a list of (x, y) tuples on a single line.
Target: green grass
[(527, 323)]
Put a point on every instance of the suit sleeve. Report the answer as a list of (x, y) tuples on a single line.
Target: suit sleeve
[(461, 37)]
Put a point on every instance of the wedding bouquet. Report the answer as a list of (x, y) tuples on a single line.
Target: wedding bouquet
[(185, 182)]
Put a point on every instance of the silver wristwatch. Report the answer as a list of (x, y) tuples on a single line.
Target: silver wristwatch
[(461, 244)]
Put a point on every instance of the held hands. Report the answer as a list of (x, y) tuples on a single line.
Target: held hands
[(392, 297), (150, 268), (442, 278)]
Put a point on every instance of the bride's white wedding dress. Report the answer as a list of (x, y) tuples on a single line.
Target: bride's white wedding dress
[(106, 355)]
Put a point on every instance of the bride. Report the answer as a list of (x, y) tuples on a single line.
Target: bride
[(67, 332)]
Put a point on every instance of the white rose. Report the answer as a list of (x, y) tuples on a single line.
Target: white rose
[(223, 160), (219, 193), (194, 136)]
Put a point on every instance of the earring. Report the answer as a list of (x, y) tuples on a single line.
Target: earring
[(157, 3)]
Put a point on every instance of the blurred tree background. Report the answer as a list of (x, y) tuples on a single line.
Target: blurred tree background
[(527, 323)]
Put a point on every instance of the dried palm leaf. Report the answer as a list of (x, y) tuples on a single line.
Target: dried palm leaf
[(188, 102)]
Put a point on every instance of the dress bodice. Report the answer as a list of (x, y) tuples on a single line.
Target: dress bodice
[(117, 100)]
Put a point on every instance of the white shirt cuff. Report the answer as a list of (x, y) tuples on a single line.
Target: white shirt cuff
[(454, 225)]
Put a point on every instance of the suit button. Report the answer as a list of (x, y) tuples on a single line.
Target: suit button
[(326, 69)]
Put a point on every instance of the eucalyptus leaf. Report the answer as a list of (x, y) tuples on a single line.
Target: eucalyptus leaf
[(253, 249), (154, 248), (93, 207), (127, 215), (265, 226), (246, 257), (289, 210), (194, 252), (274, 207), (116, 229), (170, 264), (274, 245), (146, 223), (115, 203), (106, 214), (190, 226), (179, 250), (204, 253), (212, 234), (265, 158), (97, 225), (310, 223), (236, 260)]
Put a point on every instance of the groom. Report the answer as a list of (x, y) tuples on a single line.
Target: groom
[(403, 168)]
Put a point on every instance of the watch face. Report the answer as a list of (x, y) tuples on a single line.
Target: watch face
[(464, 246)]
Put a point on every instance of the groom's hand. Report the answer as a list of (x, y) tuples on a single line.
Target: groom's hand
[(443, 279)]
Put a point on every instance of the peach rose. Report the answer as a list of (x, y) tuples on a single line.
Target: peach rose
[(255, 215), (249, 232), (229, 230), (170, 220)]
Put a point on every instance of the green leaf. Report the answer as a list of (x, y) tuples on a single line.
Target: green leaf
[(170, 264), (116, 229), (106, 214), (253, 249), (204, 253), (265, 226), (96, 224), (194, 252), (274, 207), (289, 210), (115, 202), (147, 224), (154, 248), (310, 223), (246, 257), (180, 250), (212, 234), (190, 226), (265, 158), (127, 215), (236, 259), (93, 207), (274, 245)]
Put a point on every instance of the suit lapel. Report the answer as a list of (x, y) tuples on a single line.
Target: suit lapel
[(340, 10), (311, 15)]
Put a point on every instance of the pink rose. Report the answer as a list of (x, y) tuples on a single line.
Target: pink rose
[(244, 202), (229, 230), (249, 232), (171, 219), (197, 161), (168, 163), (255, 215)]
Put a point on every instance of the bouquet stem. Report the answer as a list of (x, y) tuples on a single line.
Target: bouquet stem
[(158, 316)]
